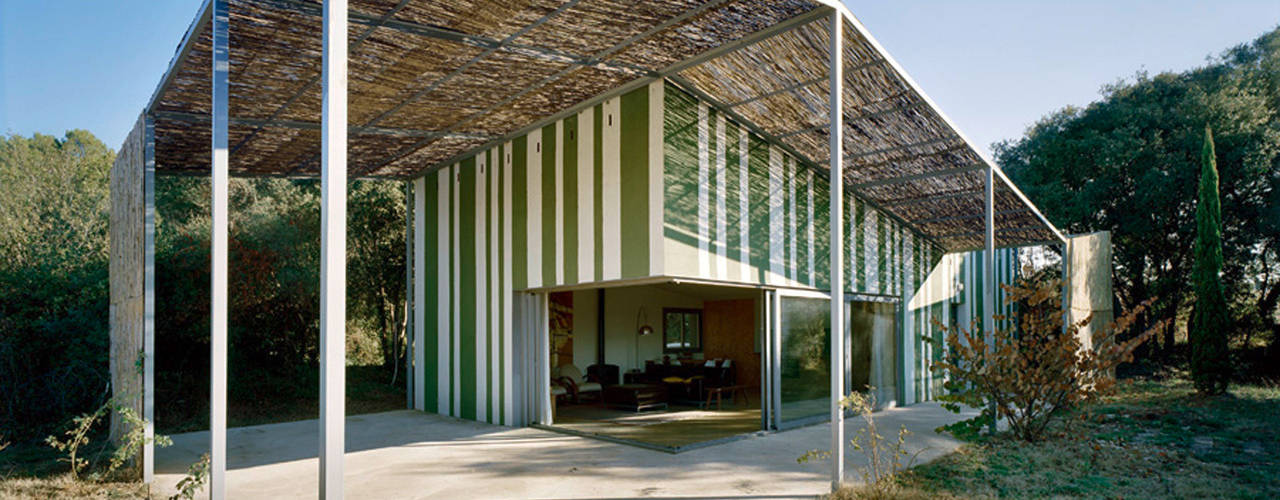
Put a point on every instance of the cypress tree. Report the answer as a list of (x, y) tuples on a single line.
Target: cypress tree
[(1210, 366)]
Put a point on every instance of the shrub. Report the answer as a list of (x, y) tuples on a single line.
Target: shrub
[(1035, 367), (885, 457)]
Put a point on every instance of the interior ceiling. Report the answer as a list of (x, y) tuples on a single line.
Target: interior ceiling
[(433, 80)]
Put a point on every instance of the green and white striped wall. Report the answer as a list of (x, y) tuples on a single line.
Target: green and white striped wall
[(652, 183)]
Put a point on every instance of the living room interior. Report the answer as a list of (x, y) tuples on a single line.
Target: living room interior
[(665, 366)]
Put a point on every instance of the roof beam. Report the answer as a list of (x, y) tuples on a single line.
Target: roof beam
[(753, 38), (301, 125), (1019, 229), (936, 220), (925, 175), (863, 116), (931, 198), (783, 90), (902, 147), (316, 79), (197, 27)]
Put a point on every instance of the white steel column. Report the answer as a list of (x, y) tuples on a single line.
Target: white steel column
[(149, 302), (409, 322), (333, 248), (836, 193), (218, 258), (989, 275)]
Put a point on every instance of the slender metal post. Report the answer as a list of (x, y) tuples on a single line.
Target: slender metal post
[(989, 276), (218, 257), (420, 305), (409, 323), (836, 192), (333, 249), (149, 302)]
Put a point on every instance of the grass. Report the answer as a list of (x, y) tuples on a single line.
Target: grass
[(1152, 439), (31, 469)]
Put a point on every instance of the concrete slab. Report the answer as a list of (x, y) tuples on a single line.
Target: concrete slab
[(410, 454)]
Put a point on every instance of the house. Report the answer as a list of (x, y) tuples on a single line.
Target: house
[(629, 204)]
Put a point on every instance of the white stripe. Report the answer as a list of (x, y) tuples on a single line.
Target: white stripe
[(420, 292), (657, 184), (794, 261), (811, 226), (722, 219), (507, 289), (744, 208), (444, 181), (704, 194), (559, 175), (455, 333), (776, 223), (611, 183), (495, 279), (871, 247), (586, 197), (850, 282), (482, 326), (533, 212)]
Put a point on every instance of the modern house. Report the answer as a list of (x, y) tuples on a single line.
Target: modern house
[(616, 206)]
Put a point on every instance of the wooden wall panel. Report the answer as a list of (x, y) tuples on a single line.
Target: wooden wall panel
[(730, 333), (126, 274)]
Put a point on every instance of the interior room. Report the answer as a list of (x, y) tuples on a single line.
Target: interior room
[(666, 366)]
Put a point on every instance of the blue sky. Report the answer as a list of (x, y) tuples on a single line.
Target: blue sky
[(994, 67)]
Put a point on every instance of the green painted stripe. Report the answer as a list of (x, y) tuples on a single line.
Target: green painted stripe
[(861, 247), (634, 148), (733, 198), (758, 205), (467, 323), (432, 274), (548, 214), (882, 248), (570, 243), (491, 330), (519, 216)]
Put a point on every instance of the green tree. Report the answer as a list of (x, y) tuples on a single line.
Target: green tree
[(1210, 325), (53, 279), (1128, 164)]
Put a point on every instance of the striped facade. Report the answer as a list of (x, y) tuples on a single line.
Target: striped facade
[(652, 183)]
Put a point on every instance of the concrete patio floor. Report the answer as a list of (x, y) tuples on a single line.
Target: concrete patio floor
[(410, 454)]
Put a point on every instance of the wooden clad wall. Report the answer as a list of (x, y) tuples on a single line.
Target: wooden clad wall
[(126, 274)]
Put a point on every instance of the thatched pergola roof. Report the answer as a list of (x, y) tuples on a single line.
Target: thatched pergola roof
[(432, 81)]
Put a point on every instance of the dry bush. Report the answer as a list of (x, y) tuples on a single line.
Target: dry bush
[(1035, 367)]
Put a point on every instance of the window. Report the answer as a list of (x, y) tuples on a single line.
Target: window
[(681, 330)]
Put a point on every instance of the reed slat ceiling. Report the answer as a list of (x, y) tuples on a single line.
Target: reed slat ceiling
[(431, 80)]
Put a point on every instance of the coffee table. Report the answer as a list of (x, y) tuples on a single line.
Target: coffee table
[(636, 397)]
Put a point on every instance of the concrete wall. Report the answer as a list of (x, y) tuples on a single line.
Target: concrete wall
[(1088, 284)]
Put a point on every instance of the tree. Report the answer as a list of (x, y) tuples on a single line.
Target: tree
[(1128, 163), (1210, 364)]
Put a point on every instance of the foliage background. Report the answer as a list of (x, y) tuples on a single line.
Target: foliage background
[(53, 287), (1130, 163)]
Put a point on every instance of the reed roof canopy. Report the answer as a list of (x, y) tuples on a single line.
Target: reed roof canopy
[(432, 81)]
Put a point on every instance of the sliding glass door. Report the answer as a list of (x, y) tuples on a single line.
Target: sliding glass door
[(799, 353)]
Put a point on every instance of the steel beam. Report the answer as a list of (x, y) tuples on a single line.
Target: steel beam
[(930, 198), (925, 175), (668, 71), (333, 249), (198, 25), (783, 90), (218, 240), (989, 277), (936, 220), (303, 125), (902, 147), (835, 189), (409, 311)]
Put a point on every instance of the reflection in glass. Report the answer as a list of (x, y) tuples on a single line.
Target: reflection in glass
[(805, 370)]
